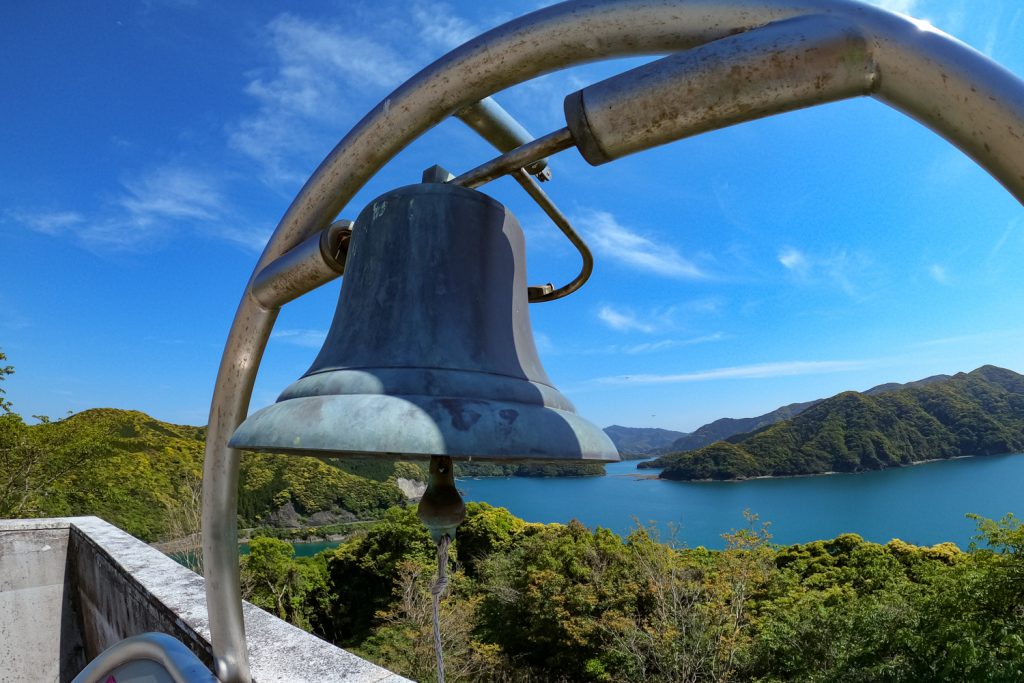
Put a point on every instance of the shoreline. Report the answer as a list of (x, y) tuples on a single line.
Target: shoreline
[(825, 474)]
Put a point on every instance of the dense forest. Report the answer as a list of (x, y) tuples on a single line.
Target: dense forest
[(533, 602), (975, 413)]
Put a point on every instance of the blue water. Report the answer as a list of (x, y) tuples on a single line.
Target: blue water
[(924, 504), (302, 549)]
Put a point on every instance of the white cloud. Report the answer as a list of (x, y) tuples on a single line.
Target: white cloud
[(938, 273), (842, 269), (312, 339), (1005, 237), (623, 321), (665, 344), (150, 207), (544, 344), (172, 192), (794, 260), (651, 347), (318, 70), (49, 222), (757, 371), (614, 241), (439, 26)]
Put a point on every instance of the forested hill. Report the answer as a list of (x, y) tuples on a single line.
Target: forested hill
[(145, 476), (975, 413), (641, 441), (730, 426)]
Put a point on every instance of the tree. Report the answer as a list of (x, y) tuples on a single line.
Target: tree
[(185, 522), (363, 570), (38, 465), (404, 641), (292, 588), (5, 370)]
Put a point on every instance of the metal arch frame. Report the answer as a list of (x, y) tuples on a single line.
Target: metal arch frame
[(942, 83)]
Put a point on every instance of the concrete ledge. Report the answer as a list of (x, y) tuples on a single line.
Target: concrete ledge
[(115, 586)]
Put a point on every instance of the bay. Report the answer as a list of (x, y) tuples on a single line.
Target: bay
[(924, 504)]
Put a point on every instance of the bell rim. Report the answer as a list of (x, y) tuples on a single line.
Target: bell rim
[(423, 426)]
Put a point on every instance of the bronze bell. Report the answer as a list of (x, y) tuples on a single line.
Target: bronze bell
[(431, 351)]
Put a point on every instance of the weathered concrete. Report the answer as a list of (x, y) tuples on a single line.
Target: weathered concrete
[(40, 638), (94, 585)]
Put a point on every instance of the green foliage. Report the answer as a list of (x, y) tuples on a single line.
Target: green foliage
[(362, 572), (487, 530), (293, 589), (564, 603), (380, 469), (5, 370), (143, 475), (309, 486), (977, 413), (480, 468)]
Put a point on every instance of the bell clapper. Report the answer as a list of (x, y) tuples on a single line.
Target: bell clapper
[(441, 510)]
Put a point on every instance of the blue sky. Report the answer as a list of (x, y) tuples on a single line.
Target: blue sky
[(151, 147)]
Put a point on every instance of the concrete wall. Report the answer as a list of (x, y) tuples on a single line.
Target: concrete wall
[(40, 639), (71, 587)]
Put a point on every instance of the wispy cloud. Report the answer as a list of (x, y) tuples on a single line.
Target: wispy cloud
[(440, 26), (311, 339), (617, 242), (624, 321), (317, 69), (938, 273), (174, 193), (794, 260), (842, 268), (973, 338), (757, 371), (1005, 237), (146, 212), (666, 344), (544, 344), (48, 222), (950, 168)]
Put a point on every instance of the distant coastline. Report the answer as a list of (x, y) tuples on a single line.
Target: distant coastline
[(737, 480)]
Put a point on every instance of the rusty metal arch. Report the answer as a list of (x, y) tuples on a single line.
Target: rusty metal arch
[(949, 87)]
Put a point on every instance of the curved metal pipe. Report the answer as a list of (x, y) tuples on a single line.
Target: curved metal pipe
[(949, 87), (176, 661), (535, 191)]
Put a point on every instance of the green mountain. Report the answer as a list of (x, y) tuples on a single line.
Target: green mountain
[(145, 476), (976, 413), (641, 441), (730, 426)]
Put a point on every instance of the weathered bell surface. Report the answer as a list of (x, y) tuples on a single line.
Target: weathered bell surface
[(430, 351)]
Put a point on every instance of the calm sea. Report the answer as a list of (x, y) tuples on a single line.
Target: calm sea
[(924, 504)]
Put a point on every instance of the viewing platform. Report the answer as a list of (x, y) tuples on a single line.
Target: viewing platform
[(71, 587)]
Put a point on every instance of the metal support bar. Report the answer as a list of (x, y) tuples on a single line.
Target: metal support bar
[(314, 262), (787, 65), (534, 189), (490, 120), (520, 157), (956, 91)]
